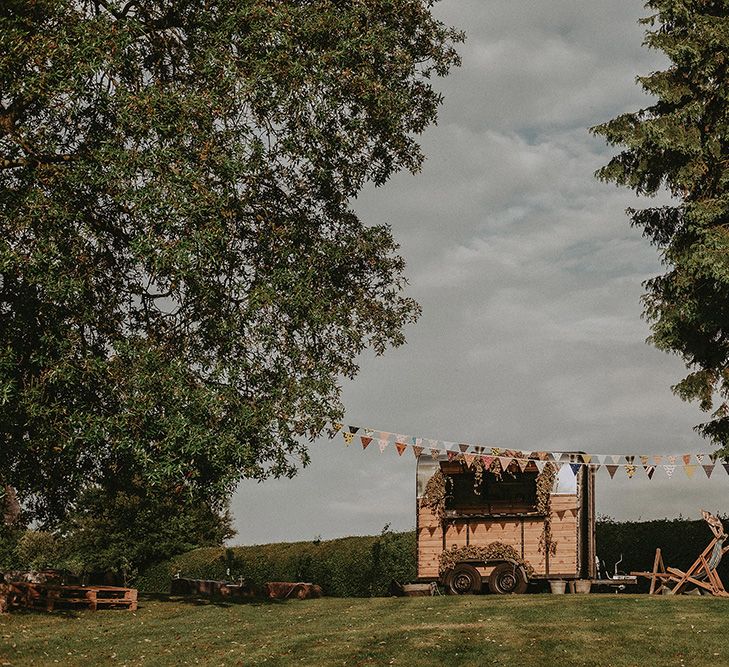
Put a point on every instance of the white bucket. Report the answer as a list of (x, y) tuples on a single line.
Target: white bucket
[(558, 587)]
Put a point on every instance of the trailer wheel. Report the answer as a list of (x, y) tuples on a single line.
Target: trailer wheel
[(464, 579), (507, 578)]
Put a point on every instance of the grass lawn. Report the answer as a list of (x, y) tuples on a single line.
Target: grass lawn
[(617, 630)]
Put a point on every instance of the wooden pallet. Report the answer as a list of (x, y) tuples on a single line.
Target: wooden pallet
[(51, 596)]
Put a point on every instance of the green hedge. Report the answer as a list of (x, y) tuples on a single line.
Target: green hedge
[(680, 541), (365, 566), (347, 567)]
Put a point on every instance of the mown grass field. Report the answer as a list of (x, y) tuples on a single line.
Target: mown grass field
[(588, 630)]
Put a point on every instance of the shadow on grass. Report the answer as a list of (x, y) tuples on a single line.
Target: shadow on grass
[(207, 600)]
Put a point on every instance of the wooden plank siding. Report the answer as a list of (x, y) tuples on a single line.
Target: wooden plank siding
[(521, 532)]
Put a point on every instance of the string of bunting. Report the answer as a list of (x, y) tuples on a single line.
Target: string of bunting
[(467, 452)]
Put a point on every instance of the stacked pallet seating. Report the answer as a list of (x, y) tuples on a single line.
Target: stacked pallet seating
[(56, 596)]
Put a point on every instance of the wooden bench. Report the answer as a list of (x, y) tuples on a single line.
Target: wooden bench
[(54, 596)]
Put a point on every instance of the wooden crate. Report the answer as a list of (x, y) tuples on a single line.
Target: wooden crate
[(51, 597)]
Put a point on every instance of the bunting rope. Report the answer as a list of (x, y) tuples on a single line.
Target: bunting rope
[(468, 452)]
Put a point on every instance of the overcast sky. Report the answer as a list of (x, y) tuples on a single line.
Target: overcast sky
[(529, 276)]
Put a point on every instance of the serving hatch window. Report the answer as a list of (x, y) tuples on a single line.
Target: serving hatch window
[(510, 494)]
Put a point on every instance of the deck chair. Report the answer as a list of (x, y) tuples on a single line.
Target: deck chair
[(702, 575)]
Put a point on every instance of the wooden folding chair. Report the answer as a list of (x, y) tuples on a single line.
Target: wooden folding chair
[(702, 574)]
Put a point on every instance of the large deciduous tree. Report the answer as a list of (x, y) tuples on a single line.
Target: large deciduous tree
[(681, 143), (183, 281)]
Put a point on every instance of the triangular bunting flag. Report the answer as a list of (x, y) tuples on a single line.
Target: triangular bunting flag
[(478, 449), (615, 458), (366, 440), (401, 447), (337, 426), (383, 442), (385, 435), (586, 458), (596, 466), (435, 454), (708, 469), (629, 460), (523, 463), (657, 460), (560, 514), (644, 461), (417, 450), (649, 470), (726, 467), (713, 457), (348, 437), (470, 458), (495, 451), (669, 470), (463, 447), (505, 462), (566, 458), (686, 459), (600, 458), (629, 469), (689, 470), (575, 468), (353, 429), (612, 469), (451, 455), (540, 464), (700, 459), (487, 460), (369, 431), (671, 460)]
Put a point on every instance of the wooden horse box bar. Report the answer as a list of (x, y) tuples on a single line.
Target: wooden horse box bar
[(55, 596)]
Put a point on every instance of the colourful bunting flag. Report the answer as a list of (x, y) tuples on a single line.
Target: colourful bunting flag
[(383, 442), (451, 455), (540, 464), (686, 459), (463, 448), (435, 454), (353, 429), (470, 458), (575, 468), (700, 459), (417, 450), (630, 469), (366, 440), (726, 467), (401, 447), (337, 427), (586, 458), (689, 470), (348, 437), (657, 460), (708, 469), (612, 469), (669, 470), (649, 470), (487, 461)]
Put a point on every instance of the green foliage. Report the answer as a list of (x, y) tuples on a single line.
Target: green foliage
[(39, 550), (347, 567), (128, 530), (680, 540), (183, 282), (681, 143)]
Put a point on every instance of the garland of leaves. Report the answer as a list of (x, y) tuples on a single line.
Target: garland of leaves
[(435, 494), (449, 558), (545, 484)]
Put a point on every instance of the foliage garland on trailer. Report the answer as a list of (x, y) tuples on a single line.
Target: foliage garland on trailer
[(449, 558), (436, 491)]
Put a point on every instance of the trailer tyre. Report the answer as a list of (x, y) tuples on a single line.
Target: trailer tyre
[(464, 579), (507, 578)]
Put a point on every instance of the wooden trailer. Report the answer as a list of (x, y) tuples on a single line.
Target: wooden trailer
[(482, 527)]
